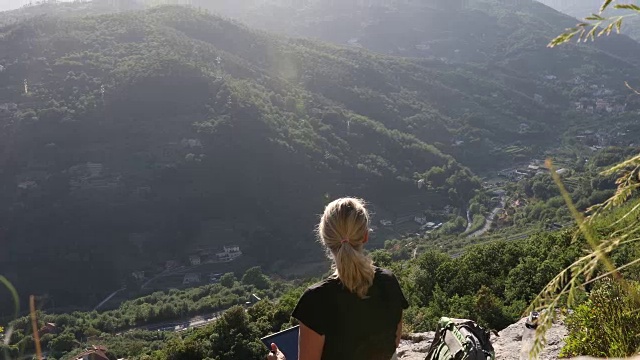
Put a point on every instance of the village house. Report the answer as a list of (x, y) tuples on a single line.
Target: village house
[(138, 275), (229, 253), (1, 68), (215, 277), (94, 169), (354, 42), (6, 107), (191, 143), (26, 185), (49, 328), (420, 219), (171, 264), (538, 98), (96, 353), (90, 176), (194, 260), (619, 108), (428, 225), (138, 240), (602, 104), (191, 278), (143, 190)]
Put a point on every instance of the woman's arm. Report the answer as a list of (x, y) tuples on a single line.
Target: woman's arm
[(310, 344), (399, 332)]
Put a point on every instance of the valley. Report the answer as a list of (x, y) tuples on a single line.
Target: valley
[(122, 166), (163, 163)]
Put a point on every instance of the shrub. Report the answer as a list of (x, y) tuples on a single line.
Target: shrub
[(606, 324)]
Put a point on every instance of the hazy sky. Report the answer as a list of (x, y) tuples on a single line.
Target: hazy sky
[(14, 4)]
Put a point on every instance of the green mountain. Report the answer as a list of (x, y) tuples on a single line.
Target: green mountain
[(133, 138), (509, 34)]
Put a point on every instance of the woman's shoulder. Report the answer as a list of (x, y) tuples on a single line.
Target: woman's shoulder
[(323, 286), (384, 274)]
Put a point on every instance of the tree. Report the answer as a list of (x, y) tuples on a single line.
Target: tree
[(488, 309), (423, 279), (227, 280), (381, 258), (63, 343), (233, 336), (255, 277)]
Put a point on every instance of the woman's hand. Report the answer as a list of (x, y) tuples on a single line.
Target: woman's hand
[(275, 353)]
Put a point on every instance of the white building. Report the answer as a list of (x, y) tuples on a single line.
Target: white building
[(194, 260), (538, 98), (9, 107), (229, 253), (191, 279), (191, 143), (138, 275), (94, 169), (26, 185)]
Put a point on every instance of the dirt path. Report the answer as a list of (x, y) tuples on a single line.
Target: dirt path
[(107, 299)]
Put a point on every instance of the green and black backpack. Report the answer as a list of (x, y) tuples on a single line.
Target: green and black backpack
[(460, 339)]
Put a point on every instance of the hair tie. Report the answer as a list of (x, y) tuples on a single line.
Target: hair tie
[(345, 240)]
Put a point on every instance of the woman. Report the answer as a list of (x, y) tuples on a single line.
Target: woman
[(356, 314)]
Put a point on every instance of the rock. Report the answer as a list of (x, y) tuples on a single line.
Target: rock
[(415, 346), (513, 343)]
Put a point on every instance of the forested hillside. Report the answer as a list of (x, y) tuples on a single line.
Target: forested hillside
[(129, 138), (508, 35), (133, 138), (490, 283)]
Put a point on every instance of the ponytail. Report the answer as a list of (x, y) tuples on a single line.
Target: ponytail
[(354, 269), (343, 230)]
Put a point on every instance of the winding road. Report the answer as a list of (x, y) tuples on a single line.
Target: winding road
[(489, 220)]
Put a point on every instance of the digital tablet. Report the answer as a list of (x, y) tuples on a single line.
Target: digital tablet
[(287, 341)]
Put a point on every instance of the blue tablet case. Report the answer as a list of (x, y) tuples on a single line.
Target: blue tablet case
[(287, 341)]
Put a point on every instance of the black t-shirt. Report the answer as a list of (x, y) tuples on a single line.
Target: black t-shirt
[(354, 328)]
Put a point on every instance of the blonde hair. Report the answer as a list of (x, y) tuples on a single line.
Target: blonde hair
[(343, 229)]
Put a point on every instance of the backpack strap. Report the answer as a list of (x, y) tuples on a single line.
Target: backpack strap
[(458, 343), (456, 339)]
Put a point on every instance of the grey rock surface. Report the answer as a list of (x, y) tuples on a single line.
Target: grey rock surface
[(513, 343)]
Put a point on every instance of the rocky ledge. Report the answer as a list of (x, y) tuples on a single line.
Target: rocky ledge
[(513, 343)]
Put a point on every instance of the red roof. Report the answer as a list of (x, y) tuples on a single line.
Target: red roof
[(98, 353)]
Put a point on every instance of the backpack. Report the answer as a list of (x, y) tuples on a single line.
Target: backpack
[(460, 339)]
